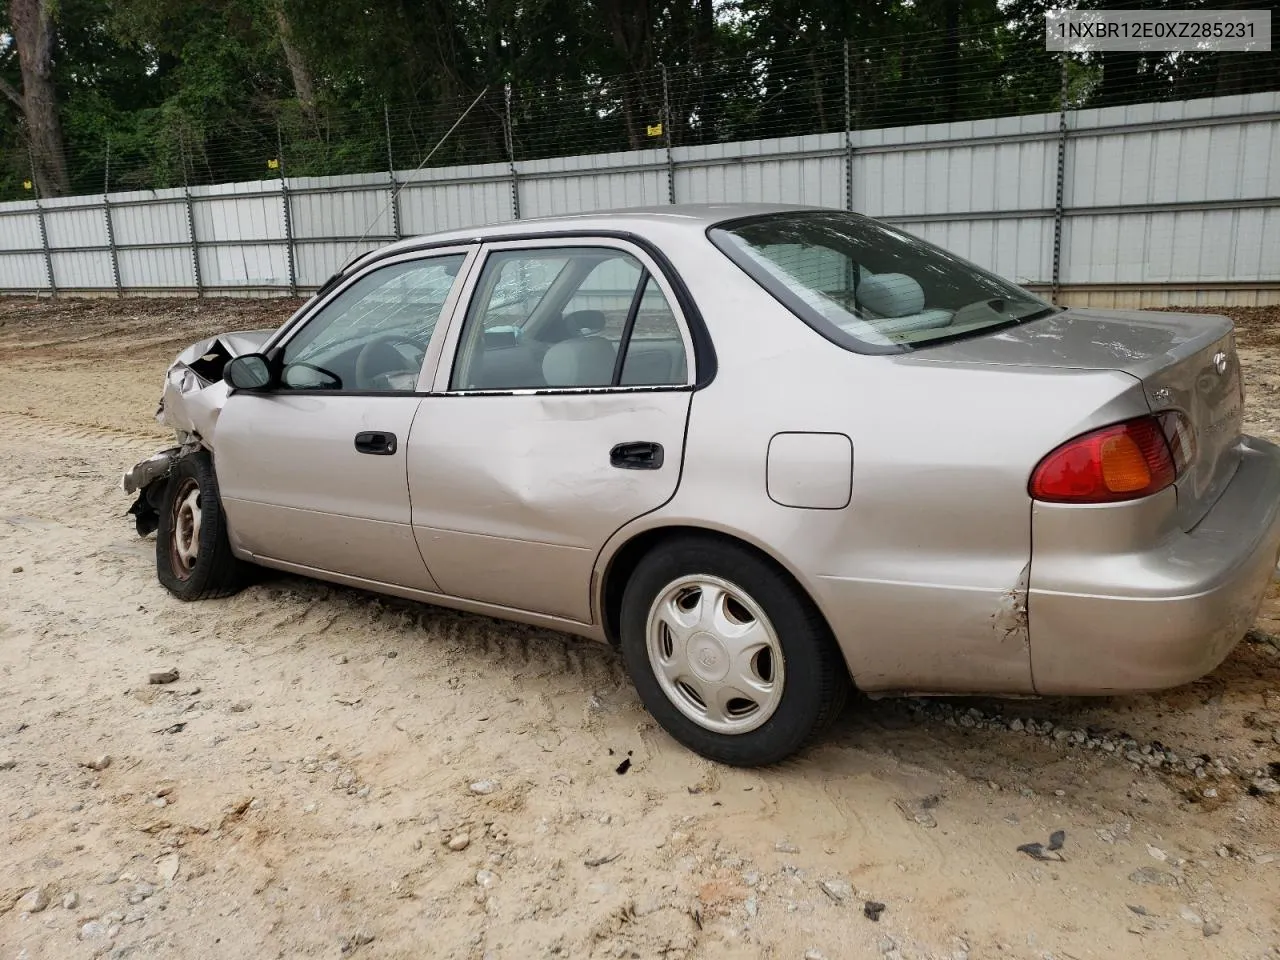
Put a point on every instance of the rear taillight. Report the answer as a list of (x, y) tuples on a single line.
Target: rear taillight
[(1124, 461)]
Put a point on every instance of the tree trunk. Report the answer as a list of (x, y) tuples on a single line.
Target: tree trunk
[(950, 72), (303, 85), (629, 23), (33, 34), (704, 49)]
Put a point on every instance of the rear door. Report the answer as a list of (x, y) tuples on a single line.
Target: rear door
[(558, 415), (312, 473)]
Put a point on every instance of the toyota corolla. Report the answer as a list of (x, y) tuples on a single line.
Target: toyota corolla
[(772, 453)]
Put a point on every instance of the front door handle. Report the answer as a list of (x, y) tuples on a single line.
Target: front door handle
[(377, 442), (637, 455)]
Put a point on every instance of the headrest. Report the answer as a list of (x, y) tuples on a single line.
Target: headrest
[(891, 294), (579, 362), (576, 323)]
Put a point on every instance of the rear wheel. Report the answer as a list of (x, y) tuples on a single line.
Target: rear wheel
[(193, 556), (728, 655)]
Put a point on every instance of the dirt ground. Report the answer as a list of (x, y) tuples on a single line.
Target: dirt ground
[(335, 774)]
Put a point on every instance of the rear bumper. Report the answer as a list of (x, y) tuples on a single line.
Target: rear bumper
[(1106, 620)]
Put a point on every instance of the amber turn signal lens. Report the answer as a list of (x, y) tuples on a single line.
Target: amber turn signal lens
[(1124, 461)]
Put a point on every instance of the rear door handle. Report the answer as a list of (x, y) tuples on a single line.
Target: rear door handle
[(377, 442), (637, 455)]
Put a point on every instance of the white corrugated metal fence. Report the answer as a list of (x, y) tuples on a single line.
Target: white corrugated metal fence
[(1161, 203)]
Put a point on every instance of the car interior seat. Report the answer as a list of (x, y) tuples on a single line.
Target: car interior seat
[(896, 302)]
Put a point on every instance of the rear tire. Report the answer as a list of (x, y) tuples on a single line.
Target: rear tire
[(727, 654), (193, 555)]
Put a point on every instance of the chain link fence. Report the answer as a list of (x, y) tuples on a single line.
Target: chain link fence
[(969, 74)]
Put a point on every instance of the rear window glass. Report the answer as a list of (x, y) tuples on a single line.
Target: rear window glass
[(867, 286)]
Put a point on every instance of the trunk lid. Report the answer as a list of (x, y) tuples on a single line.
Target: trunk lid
[(1186, 362)]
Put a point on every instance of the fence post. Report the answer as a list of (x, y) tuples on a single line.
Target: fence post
[(106, 213), (391, 173), (666, 136), (1062, 167), (848, 135), (44, 234), (191, 220), (511, 156), (286, 213)]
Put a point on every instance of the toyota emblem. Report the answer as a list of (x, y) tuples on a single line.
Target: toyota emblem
[(1220, 362)]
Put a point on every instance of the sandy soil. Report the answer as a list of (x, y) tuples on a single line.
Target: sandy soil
[(297, 792)]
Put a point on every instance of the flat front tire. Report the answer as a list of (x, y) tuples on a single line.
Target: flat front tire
[(193, 556), (727, 654)]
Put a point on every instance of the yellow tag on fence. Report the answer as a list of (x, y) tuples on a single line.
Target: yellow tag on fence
[(273, 164), (655, 129), (26, 184)]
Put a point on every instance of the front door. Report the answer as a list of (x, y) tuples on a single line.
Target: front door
[(312, 472), (558, 415)]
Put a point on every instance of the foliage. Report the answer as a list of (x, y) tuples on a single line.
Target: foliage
[(155, 93)]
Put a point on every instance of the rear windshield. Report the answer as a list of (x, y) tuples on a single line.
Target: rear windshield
[(867, 286)]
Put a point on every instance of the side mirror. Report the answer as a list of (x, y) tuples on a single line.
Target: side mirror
[(248, 372)]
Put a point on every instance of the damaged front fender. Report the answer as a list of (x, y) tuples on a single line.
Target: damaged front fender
[(194, 390), (193, 395)]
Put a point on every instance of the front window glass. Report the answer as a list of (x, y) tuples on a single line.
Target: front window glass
[(373, 336), (866, 285)]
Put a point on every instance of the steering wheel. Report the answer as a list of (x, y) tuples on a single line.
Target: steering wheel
[(379, 359)]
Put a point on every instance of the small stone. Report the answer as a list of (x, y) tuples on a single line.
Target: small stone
[(163, 675), (167, 867), (486, 879), (141, 891), (7, 763), (357, 940), (98, 763), (837, 890), (17, 569), (1268, 786), (71, 901), (1017, 726), (1059, 793), (1189, 915), (1156, 853), (34, 900), (888, 944), (1275, 735), (814, 955), (1211, 928), (93, 930), (241, 706), (786, 846), (1153, 877), (459, 841), (484, 787), (872, 909)]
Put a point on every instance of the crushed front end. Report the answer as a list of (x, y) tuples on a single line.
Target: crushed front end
[(193, 395)]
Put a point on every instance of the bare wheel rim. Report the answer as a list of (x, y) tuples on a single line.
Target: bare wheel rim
[(184, 548), (715, 654)]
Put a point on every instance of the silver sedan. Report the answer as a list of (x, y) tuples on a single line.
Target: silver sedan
[(772, 453)]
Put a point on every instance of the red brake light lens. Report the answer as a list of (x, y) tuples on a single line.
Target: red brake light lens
[(1124, 461)]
